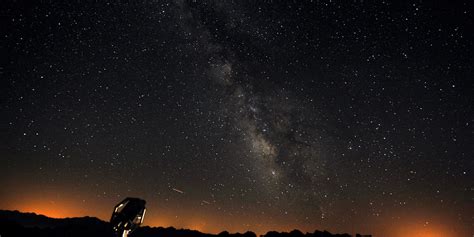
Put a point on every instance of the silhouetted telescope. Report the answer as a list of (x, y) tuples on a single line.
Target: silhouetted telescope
[(127, 216)]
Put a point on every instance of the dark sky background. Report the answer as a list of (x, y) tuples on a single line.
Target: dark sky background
[(242, 115)]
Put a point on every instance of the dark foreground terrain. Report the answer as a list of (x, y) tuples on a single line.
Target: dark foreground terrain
[(14, 224)]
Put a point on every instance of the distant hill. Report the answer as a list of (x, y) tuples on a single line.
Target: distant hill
[(15, 224)]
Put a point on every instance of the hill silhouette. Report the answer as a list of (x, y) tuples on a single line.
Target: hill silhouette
[(15, 223)]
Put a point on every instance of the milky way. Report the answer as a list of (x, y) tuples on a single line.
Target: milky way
[(228, 115)]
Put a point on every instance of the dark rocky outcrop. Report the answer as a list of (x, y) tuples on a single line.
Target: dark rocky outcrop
[(15, 224)]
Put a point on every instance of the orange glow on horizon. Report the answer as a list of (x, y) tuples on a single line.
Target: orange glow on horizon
[(425, 230), (60, 205), (64, 210), (51, 208)]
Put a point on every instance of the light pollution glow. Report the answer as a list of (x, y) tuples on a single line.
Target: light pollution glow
[(52, 204)]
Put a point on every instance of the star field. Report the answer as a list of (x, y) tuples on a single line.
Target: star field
[(241, 116)]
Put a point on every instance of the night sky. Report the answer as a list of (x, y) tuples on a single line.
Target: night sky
[(242, 115)]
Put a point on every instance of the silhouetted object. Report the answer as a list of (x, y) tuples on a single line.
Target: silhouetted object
[(127, 216)]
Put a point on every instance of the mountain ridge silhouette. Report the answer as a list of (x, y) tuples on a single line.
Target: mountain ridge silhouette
[(15, 223)]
